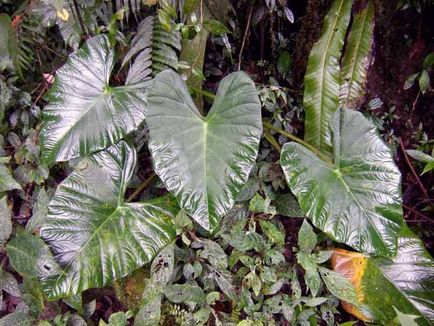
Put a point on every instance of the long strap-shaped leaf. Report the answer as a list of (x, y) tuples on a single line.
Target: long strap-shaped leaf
[(322, 79), (357, 199), (204, 161), (97, 237), (85, 114), (357, 58), (405, 282)]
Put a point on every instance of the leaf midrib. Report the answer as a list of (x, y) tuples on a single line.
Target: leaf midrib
[(60, 141), (353, 66), (86, 243), (327, 56), (362, 208), (400, 291)]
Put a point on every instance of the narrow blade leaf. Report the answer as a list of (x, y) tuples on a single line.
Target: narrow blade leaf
[(322, 79), (357, 58)]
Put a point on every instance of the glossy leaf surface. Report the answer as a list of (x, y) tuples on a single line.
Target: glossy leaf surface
[(405, 282), (357, 58), (85, 114), (357, 199), (95, 236), (204, 161), (322, 78)]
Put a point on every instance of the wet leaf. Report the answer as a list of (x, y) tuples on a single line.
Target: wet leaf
[(357, 199), (85, 114), (204, 161), (307, 239), (405, 282), (95, 236), (357, 58), (322, 78), (179, 293)]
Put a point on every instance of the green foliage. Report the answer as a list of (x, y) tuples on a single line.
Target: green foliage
[(204, 161), (221, 250), (323, 77), (423, 158), (422, 76), (7, 41), (85, 113), (5, 221), (406, 281), (357, 58), (366, 216), (89, 226), (31, 257), (337, 284), (153, 49), (7, 182)]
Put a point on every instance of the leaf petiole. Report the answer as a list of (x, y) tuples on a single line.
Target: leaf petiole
[(269, 126)]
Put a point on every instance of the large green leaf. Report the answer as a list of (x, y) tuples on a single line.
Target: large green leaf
[(85, 114), (357, 199), (406, 282), (357, 58), (204, 161), (95, 236), (322, 79)]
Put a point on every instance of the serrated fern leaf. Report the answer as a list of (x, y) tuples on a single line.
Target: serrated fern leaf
[(153, 49)]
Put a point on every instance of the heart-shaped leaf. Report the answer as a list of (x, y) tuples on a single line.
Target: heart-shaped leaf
[(357, 199), (204, 161), (85, 114), (97, 237)]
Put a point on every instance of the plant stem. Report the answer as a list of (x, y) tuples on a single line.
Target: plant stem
[(204, 93), (407, 160), (142, 187), (138, 85), (269, 126), (80, 19), (246, 32), (271, 140)]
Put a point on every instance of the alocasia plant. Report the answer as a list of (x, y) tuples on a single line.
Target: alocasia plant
[(85, 114), (95, 236), (204, 161), (357, 199)]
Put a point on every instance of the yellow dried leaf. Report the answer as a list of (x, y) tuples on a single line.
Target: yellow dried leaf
[(149, 2), (352, 265), (63, 14)]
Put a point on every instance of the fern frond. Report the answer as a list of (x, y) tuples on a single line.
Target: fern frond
[(153, 49), (28, 33)]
